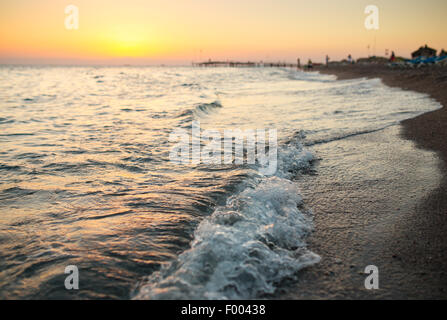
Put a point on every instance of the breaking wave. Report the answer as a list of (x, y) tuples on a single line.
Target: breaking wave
[(246, 247), (200, 110)]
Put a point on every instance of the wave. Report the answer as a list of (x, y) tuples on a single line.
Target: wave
[(247, 246), (6, 120), (200, 110), (311, 76), (346, 135)]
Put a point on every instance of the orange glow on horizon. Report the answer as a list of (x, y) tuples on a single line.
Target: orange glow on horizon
[(185, 31)]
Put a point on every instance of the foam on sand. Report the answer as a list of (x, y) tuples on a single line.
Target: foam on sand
[(247, 246)]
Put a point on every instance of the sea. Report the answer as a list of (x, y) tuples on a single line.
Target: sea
[(87, 177)]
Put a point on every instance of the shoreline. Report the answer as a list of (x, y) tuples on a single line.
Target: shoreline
[(394, 218), (427, 130), (364, 199)]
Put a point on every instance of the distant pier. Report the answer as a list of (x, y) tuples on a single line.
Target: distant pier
[(248, 64)]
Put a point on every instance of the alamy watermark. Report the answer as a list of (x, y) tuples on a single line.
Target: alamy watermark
[(372, 280), (72, 17), (212, 148), (72, 280), (372, 20)]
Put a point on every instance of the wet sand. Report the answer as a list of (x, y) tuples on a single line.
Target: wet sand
[(381, 199), (428, 130)]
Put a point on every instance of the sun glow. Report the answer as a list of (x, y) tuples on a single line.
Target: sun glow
[(163, 31), (130, 42)]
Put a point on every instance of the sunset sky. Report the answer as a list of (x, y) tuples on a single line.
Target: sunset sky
[(180, 31)]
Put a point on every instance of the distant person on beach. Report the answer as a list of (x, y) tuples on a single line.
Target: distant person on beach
[(327, 61), (309, 64), (298, 63), (393, 56), (349, 58)]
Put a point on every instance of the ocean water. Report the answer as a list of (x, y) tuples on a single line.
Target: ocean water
[(86, 178)]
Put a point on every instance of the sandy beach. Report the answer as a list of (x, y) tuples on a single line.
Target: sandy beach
[(401, 204)]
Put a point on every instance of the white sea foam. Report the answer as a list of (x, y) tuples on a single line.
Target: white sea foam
[(247, 246)]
